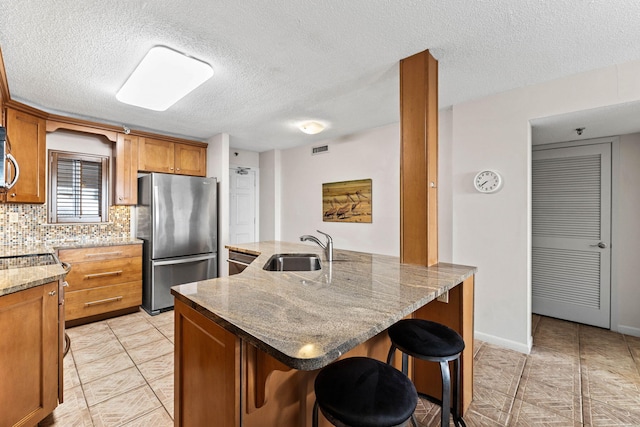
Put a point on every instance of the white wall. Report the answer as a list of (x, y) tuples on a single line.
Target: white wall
[(627, 245), (249, 159), (492, 231), (218, 166), (372, 154), (270, 195)]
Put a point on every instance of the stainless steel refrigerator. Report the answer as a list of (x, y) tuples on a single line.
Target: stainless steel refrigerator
[(177, 221)]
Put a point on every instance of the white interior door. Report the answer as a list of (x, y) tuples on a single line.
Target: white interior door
[(571, 233), (242, 215)]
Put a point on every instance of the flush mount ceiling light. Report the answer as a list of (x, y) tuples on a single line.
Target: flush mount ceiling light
[(311, 127), (162, 78)]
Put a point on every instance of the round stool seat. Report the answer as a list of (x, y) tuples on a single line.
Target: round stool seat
[(426, 339), (360, 391)]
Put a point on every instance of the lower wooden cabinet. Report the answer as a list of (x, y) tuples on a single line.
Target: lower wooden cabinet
[(29, 355), (102, 281)]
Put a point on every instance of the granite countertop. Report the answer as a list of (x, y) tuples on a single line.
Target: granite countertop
[(308, 319), (26, 266)]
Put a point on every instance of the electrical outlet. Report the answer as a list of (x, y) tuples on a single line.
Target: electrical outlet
[(13, 217), (444, 298)]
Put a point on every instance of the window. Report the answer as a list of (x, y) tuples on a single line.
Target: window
[(78, 187)]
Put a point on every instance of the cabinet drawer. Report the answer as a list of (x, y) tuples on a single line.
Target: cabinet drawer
[(99, 253), (85, 275), (89, 302)]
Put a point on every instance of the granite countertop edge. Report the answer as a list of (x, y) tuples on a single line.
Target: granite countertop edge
[(446, 281)]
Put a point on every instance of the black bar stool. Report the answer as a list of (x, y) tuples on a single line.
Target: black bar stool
[(364, 392), (432, 342)]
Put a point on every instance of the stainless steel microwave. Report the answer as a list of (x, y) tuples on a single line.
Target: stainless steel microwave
[(5, 157)]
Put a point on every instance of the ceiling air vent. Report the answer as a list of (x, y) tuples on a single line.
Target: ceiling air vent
[(319, 150)]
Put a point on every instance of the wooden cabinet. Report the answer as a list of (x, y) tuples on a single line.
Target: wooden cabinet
[(103, 281), (29, 355), (190, 160), (126, 187), (27, 135), (169, 157)]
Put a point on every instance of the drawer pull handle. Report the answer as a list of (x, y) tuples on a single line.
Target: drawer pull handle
[(108, 273), (104, 254), (103, 301)]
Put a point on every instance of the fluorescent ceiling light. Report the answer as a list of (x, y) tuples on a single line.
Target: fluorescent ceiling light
[(311, 127), (162, 78)]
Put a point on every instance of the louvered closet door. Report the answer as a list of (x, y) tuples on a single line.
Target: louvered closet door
[(571, 228)]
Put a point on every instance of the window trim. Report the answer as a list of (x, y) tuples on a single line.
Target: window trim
[(53, 185)]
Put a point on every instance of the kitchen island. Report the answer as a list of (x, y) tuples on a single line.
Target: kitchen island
[(248, 347)]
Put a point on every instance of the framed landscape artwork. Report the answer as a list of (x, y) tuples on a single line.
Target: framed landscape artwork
[(347, 201)]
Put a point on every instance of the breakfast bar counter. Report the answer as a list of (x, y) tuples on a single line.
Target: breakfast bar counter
[(249, 346)]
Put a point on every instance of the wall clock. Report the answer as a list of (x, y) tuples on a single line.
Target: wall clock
[(487, 181)]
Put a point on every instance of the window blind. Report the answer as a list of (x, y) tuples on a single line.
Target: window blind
[(78, 188)]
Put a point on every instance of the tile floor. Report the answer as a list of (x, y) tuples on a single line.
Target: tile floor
[(119, 372)]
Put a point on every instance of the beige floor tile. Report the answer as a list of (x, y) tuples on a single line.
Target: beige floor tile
[(168, 405), (157, 368), (477, 344), (141, 338), (162, 318), (617, 358), (508, 360), (151, 350), (616, 388), (163, 388), (490, 403), (598, 414), (497, 378), (526, 414), (553, 369), (103, 367), (125, 407), (128, 319), (535, 320), (73, 412), (157, 418), (70, 375), (559, 401), (112, 385), (80, 341), (167, 330), (98, 350), (131, 326), (90, 328)]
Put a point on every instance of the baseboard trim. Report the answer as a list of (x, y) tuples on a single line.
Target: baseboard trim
[(629, 330), (501, 342)]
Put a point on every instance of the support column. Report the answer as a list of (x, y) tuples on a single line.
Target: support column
[(419, 159)]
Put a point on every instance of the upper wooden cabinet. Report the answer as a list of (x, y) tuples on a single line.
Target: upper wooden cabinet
[(126, 186), (168, 157), (27, 135), (190, 160)]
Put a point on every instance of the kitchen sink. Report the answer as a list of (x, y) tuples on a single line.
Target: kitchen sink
[(293, 262), (29, 260)]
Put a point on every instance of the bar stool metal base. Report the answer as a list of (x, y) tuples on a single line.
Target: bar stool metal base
[(444, 350)]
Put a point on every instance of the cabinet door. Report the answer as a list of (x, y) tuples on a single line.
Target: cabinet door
[(29, 355), (190, 160), (27, 135), (156, 155), (126, 170)]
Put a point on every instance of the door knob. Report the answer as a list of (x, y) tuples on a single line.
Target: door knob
[(600, 245)]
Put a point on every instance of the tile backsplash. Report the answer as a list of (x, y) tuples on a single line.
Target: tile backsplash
[(32, 227)]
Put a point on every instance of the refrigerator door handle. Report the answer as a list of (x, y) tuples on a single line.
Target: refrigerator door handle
[(185, 260)]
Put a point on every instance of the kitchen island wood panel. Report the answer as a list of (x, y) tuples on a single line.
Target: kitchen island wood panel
[(288, 325)]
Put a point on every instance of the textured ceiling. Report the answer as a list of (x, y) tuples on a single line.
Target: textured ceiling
[(279, 62)]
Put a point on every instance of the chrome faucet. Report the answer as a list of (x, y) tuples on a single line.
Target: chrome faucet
[(328, 247)]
